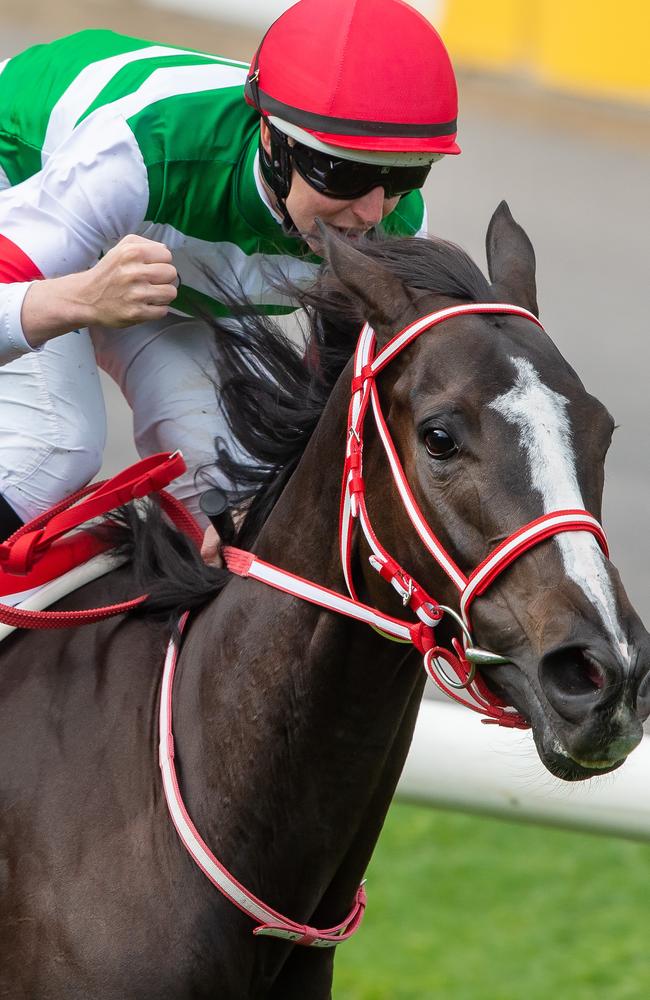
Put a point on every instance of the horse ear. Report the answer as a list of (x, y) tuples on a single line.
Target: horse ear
[(374, 293), (511, 260)]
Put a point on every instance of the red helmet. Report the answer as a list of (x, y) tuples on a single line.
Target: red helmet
[(366, 75)]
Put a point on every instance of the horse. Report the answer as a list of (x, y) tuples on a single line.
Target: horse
[(292, 723)]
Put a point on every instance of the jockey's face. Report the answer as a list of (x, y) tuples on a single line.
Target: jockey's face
[(352, 217)]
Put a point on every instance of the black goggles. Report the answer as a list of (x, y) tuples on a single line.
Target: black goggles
[(347, 179)]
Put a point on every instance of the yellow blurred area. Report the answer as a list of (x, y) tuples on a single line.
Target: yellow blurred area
[(588, 47)]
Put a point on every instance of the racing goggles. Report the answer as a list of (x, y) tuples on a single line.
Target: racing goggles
[(336, 177)]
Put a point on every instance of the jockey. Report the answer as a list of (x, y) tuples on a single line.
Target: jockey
[(136, 179)]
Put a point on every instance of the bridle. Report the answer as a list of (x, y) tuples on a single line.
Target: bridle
[(439, 662), (466, 656), (452, 670)]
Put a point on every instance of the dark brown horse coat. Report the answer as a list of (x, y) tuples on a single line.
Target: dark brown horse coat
[(292, 724)]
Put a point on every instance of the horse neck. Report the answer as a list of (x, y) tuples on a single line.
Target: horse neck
[(297, 719)]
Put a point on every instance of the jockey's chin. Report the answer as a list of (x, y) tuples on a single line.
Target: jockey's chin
[(351, 218)]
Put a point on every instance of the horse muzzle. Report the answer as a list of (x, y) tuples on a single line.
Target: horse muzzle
[(586, 703)]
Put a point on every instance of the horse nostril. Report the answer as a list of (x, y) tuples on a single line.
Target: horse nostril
[(573, 681)]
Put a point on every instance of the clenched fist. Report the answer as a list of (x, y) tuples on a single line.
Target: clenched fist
[(135, 282)]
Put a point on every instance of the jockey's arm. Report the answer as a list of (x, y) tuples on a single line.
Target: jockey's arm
[(55, 227), (133, 283)]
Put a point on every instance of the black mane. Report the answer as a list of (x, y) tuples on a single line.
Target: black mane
[(273, 395)]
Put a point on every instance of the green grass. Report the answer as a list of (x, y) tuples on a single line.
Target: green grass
[(463, 908)]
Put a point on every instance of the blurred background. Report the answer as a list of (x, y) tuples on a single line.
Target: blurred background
[(554, 117)]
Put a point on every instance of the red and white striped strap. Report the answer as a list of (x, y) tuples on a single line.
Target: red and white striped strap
[(364, 392), (248, 565), (440, 664), (270, 922), (30, 542), (413, 331), (430, 540), (521, 541), (420, 634)]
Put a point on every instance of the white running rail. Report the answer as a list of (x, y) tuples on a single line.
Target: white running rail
[(457, 763)]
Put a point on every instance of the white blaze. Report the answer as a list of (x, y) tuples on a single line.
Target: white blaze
[(545, 435)]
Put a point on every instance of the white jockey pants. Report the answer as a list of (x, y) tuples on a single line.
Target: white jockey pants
[(53, 419)]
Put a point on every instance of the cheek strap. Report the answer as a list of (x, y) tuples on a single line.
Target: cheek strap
[(277, 170)]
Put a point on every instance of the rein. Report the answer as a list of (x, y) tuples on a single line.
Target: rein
[(270, 922), (39, 537)]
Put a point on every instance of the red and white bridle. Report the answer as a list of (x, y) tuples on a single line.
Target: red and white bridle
[(438, 661), (451, 670), (466, 656)]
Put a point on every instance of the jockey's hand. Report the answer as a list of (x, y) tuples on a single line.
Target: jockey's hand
[(211, 548), (135, 282)]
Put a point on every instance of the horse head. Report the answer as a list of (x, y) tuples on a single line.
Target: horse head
[(494, 429)]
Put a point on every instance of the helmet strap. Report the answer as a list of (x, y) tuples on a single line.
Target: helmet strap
[(277, 170)]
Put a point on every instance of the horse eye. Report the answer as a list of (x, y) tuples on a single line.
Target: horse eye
[(439, 443)]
